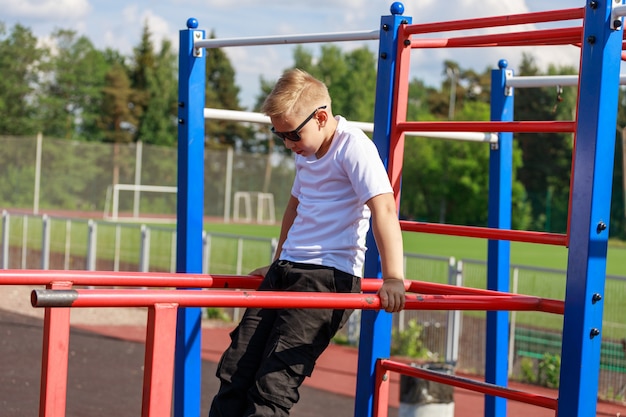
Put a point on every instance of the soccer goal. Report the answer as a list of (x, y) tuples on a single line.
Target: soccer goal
[(264, 207), (112, 201)]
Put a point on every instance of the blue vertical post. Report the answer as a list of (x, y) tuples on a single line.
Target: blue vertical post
[(375, 338), (190, 210), (498, 251), (590, 211)]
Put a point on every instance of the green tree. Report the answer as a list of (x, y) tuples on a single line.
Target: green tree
[(418, 101), (20, 58), (349, 76), (118, 119), (158, 123), (359, 85), (547, 157), (618, 202), (144, 60), (447, 181), (142, 70), (72, 90), (459, 85)]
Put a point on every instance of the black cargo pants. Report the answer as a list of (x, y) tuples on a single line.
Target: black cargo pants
[(273, 350)]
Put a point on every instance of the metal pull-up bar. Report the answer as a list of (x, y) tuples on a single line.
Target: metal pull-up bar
[(367, 35), (244, 116), (548, 81)]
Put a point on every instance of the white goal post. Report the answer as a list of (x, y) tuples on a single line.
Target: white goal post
[(112, 201), (264, 207)]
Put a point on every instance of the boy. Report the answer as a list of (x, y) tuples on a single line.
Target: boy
[(340, 182)]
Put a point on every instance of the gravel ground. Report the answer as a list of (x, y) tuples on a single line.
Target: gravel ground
[(16, 298)]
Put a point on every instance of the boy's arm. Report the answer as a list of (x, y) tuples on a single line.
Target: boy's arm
[(288, 217), (388, 235)]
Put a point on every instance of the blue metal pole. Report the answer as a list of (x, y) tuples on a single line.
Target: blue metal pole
[(498, 251), (375, 338), (590, 211), (190, 210)]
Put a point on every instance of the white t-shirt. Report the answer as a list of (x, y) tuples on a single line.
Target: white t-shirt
[(332, 219)]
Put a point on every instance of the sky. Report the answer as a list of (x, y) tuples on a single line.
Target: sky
[(118, 24)]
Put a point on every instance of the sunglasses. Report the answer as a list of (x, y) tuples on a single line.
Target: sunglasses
[(294, 136)]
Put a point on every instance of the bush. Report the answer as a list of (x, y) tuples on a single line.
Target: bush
[(408, 342), (527, 367), (549, 370), (214, 313)]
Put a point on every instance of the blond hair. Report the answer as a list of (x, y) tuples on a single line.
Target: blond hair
[(295, 92)]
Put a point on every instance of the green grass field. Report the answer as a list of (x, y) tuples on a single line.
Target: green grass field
[(544, 256), (544, 284), (224, 259)]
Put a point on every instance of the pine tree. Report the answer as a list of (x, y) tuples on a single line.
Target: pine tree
[(144, 62), (158, 124), (118, 119)]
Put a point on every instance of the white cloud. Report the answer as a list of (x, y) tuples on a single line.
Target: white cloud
[(293, 17), (46, 9), (159, 26), (118, 24)]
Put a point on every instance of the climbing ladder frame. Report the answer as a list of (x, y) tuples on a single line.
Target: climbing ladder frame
[(600, 43)]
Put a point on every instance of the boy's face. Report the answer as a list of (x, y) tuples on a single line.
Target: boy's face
[(304, 136)]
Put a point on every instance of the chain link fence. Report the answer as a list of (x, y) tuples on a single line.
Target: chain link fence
[(61, 175), (68, 179), (452, 337)]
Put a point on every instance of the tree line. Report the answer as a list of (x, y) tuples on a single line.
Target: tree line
[(66, 88)]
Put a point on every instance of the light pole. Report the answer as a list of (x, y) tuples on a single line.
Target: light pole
[(452, 74), (624, 169)]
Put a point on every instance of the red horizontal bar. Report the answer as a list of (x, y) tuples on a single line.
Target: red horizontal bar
[(487, 22), (469, 384), (275, 299), (126, 279), (525, 126), (548, 305), (564, 36), (163, 279), (485, 232)]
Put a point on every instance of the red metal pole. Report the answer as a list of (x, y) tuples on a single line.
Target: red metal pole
[(482, 387), (381, 391), (485, 232), (563, 36), (399, 109), (54, 358), (89, 278), (158, 377), (486, 22), (423, 287), (280, 299), (526, 126), (126, 279)]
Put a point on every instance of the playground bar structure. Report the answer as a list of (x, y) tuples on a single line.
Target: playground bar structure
[(174, 314), (162, 309), (598, 40)]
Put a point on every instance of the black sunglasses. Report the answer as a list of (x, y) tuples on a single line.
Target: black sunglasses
[(294, 136)]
